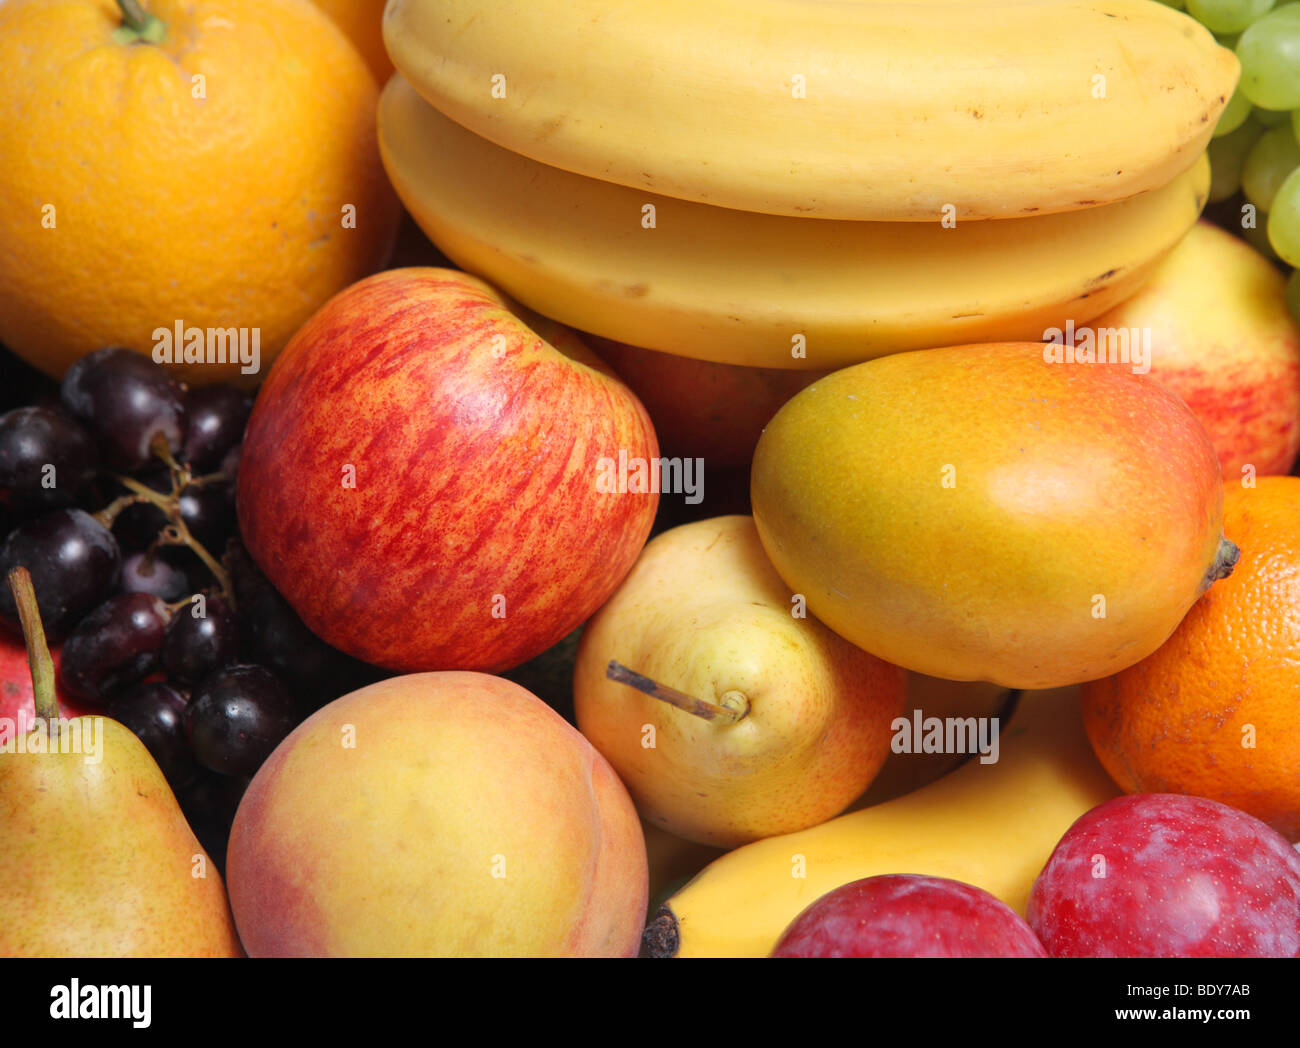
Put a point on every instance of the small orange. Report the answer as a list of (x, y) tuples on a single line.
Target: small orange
[(219, 171), (1215, 711)]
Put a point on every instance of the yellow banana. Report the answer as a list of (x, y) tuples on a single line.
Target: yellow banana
[(991, 825), (883, 110), (763, 290)]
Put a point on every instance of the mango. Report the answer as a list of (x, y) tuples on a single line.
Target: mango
[(993, 512)]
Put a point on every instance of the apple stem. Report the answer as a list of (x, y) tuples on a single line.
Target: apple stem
[(38, 650), (616, 671)]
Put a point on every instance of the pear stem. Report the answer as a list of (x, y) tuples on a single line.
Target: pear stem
[(616, 671), (38, 650)]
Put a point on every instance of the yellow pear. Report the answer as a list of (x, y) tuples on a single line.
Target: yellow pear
[(96, 859), (792, 722)]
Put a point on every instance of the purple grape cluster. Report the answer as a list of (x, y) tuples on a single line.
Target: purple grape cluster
[(117, 494)]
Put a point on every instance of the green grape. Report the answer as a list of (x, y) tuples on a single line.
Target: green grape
[(1269, 51), (1227, 16), (1227, 155), (1284, 220), (1295, 123), (1257, 237), (1267, 165), (1234, 114), (1293, 295), (1271, 117), (1179, 3)]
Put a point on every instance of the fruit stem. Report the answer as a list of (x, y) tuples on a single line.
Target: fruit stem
[(181, 535), (138, 25), (616, 671), (1226, 559), (38, 650)]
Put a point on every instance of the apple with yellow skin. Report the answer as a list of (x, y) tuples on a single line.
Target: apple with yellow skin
[(424, 475), (437, 814), (1223, 339), (795, 722)]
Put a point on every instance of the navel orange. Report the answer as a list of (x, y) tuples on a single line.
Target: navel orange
[(226, 176)]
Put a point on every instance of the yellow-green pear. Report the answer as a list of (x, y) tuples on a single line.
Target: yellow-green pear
[(96, 859), (778, 724)]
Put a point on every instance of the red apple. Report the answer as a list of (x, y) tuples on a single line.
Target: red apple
[(701, 408), (1223, 340), (908, 915), (16, 688), (1167, 875), (427, 479)]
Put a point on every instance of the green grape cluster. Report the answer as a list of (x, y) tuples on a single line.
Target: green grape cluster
[(1256, 144)]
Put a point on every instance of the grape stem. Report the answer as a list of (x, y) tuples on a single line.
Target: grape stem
[(38, 650), (176, 533)]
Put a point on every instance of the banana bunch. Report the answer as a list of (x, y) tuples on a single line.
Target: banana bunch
[(803, 185)]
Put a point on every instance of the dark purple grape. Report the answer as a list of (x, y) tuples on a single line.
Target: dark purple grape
[(195, 647), (230, 464), (156, 713), (74, 561), (114, 646), (236, 717), (128, 401), (216, 419), (274, 635), (143, 573), (209, 512), (45, 458)]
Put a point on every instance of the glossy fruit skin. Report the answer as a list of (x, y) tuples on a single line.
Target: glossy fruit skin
[(215, 420), (908, 915), (931, 505), (113, 271), (129, 402), (1213, 711), (142, 574), (471, 530), (195, 647), (236, 717), (1165, 875), (32, 438), (74, 562), (208, 511), (155, 712), (116, 645)]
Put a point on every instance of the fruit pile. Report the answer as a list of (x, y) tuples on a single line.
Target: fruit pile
[(777, 493)]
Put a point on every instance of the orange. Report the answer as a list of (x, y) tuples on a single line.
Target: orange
[(208, 180), (1215, 711), (363, 22)]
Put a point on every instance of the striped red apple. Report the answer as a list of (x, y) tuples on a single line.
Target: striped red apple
[(422, 475)]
